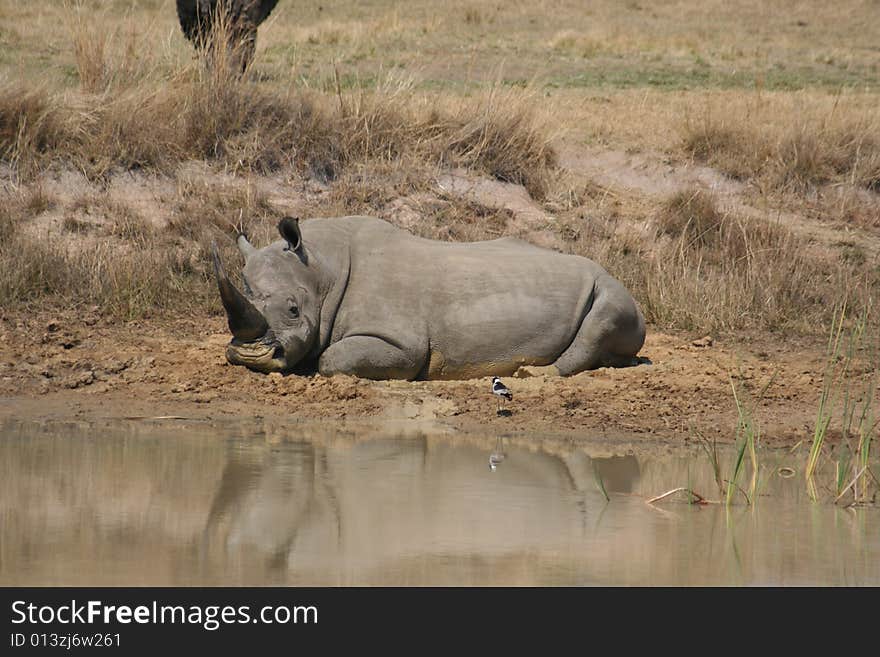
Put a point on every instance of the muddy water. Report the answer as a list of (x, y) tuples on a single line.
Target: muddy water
[(193, 503)]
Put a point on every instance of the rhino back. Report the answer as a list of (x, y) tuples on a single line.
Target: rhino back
[(502, 301)]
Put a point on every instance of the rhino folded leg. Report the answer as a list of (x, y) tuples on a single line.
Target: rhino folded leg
[(369, 357), (611, 334)]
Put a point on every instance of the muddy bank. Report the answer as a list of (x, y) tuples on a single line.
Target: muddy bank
[(86, 366)]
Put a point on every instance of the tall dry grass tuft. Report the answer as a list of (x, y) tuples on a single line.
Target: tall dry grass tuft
[(794, 150), (112, 51), (499, 133), (125, 266), (698, 224), (849, 154), (694, 216), (730, 148), (30, 126), (204, 210), (710, 270), (384, 123), (214, 113), (139, 283), (90, 52), (503, 135), (254, 130)]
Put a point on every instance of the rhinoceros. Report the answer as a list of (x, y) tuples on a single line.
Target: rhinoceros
[(199, 17), (359, 296)]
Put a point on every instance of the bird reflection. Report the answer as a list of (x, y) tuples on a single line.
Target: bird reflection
[(497, 455)]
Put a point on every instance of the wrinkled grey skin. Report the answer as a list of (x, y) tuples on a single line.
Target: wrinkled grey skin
[(198, 18), (355, 295)]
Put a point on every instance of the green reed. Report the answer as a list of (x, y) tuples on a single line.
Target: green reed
[(842, 388)]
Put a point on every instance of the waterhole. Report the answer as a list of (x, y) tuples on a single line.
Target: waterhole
[(177, 503)]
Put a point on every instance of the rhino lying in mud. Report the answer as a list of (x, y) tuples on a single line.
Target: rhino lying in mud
[(199, 17), (358, 296)]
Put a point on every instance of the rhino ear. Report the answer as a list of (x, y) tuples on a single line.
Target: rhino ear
[(289, 229)]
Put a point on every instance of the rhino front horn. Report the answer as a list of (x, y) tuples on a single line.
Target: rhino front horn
[(245, 321)]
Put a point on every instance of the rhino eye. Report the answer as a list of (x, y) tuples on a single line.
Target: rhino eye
[(294, 311)]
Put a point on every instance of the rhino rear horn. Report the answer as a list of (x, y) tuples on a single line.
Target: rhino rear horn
[(241, 239), (244, 246), (289, 229), (245, 322)]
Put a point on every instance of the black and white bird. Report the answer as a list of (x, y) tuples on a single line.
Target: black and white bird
[(499, 389)]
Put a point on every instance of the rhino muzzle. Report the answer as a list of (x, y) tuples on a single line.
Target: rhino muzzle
[(253, 344), (265, 355)]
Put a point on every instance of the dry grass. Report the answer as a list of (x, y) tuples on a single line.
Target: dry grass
[(694, 217), (137, 110), (247, 128), (810, 147), (108, 255), (815, 155), (132, 227), (369, 187), (207, 212), (701, 268), (140, 284), (504, 138), (21, 204), (100, 213), (29, 126), (608, 43), (90, 51), (459, 220)]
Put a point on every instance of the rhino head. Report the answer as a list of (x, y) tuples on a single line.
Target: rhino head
[(275, 322)]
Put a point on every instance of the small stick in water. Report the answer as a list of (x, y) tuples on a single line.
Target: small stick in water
[(696, 498)]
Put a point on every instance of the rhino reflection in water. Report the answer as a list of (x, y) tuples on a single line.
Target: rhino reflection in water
[(142, 508), (311, 511), (358, 296)]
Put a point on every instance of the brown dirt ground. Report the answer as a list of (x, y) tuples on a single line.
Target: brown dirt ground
[(84, 365)]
